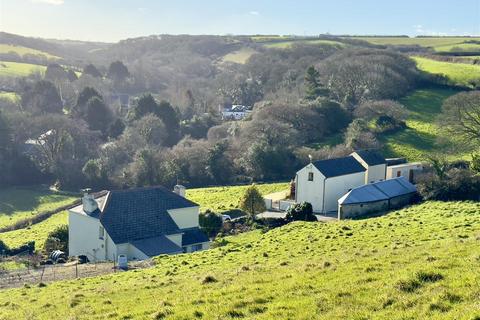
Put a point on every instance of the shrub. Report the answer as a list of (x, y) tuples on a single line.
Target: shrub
[(210, 222), (57, 239), (252, 201), (454, 184), (300, 212)]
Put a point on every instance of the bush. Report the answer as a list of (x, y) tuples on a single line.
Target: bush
[(210, 222), (252, 201), (453, 184), (300, 212), (57, 240)]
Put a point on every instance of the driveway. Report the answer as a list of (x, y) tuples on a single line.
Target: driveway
[(281, 215)]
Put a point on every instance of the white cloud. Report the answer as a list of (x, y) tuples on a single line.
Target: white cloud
[(54, 2), (254, 13)]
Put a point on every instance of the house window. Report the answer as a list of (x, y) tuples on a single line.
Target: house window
[(310, 176), (399, 173), (101, 232)]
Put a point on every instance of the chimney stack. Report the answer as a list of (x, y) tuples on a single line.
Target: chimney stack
[(180, 190), (90, 205)]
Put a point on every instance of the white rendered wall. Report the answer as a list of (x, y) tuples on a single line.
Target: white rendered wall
[(336, 187), (310, 191)]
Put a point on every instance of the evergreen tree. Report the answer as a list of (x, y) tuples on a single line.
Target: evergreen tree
[(252, 201), (313, 87)]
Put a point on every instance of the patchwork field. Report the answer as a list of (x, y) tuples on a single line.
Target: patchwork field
[(17, 69), (419, 140), (287, 44), (421, 262), (457, 73), (221, 199), (240, 56), (18, 204), (7, 48), (431, 42), (12, 96)]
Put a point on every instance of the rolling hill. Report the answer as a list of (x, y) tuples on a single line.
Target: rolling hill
[(421, 262), (18, 69)]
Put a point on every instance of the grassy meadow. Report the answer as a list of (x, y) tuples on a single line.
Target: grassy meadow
[(421, 262), (457, 73), (12, 96), (21, 51), (240, 56), (18, 204), (17, 69), (419, 140), (430, 42), (221, 199), (288, 43)]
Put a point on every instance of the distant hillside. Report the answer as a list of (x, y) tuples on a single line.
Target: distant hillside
[(418, 263)]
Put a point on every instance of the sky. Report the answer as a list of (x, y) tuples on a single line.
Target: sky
[(113, 20)]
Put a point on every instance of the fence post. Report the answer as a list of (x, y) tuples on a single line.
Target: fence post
[(76, 270), (43, 271)]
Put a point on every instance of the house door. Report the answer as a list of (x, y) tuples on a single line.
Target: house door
[(410, 175)]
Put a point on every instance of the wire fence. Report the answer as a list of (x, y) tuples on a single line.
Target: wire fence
[(49, 273)]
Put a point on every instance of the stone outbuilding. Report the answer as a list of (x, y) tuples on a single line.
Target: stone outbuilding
[(376, 197)]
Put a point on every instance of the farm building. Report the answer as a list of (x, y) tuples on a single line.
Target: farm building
[(139, 223), (376, 197), (323, 182), (408, 170)]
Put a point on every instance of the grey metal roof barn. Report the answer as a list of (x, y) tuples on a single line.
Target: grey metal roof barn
[(382, 190)]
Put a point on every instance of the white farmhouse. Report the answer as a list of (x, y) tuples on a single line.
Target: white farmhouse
[(139, 223), (375, 164), (323, 182)]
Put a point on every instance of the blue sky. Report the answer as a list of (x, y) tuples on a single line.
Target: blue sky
[(112, 20)]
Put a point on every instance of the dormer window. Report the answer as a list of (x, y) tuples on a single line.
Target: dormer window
[(310, 176), (101, 232)]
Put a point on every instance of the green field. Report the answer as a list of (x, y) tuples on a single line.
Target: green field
[(17, 69), (37, 232), (12, 96), (418, 263), (457, 73), (430, 42), (287, 44), (467, 47), (419, 140), (18, 204), (221, 199), (6, 48), (240, 56)]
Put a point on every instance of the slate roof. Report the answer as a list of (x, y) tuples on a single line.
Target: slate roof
[(382, 190), (156, 246), (141, 213), (339, 166), (371, 157), (193, 236)]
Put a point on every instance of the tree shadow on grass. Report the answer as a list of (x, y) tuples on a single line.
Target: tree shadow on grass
[(14, 200)]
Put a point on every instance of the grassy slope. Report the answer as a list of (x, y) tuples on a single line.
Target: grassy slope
[(457, 73), (6, 48), (16, 69), (17, 204), (240, 56), (12, 96), (37, 232), (352, 269), (419, 140), (221, 199), (431, 42), (287, 44)]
